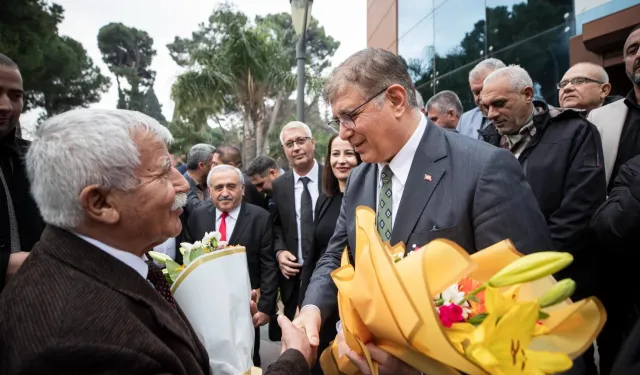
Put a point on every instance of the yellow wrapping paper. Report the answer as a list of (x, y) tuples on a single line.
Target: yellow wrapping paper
[(390, 304)]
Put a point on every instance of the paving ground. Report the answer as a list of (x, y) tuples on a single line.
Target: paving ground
[(269, 350)]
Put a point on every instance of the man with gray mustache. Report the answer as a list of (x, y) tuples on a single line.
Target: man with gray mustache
[(244, 224), (85, 301)]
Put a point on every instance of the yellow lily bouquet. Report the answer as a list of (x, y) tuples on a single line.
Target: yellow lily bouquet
[(213, 290), (443, 311)]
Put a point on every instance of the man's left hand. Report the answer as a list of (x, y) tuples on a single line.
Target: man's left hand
[(260, 319), (387, 364), (253, 305)]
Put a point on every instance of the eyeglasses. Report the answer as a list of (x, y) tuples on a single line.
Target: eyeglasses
[(576, 81), (346, 120), (299, 141)]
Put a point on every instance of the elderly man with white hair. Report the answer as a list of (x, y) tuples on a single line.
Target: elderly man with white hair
[(244, 224), (475, 120), (86, 301), (561, 154)]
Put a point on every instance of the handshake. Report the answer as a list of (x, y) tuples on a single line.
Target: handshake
[(293, 337)]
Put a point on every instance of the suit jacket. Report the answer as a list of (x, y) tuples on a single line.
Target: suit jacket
[(609, 120), (477, 195), (285, 226), (253, 231), (74, 309)]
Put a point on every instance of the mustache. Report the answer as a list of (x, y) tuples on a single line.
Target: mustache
[(179, 201), (226, 198)]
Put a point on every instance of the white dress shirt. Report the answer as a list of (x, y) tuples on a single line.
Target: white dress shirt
[(131, 260), (314, 190), (168, 247), (400, 165), (231, 221)]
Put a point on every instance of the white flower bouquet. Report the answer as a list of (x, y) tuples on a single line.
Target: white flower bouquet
[(213, 290)]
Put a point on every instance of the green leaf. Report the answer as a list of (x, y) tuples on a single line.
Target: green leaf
[(473, 298), (542, 315), (159, 257), (477, 319)]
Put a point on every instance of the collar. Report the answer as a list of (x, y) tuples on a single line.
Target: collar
[(527, 130), (400, 165), (10, 142), (313, 174), (131, 260), (233, 213), (630, 101)]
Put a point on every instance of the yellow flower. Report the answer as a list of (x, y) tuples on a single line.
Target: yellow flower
[(500, 347), (559, 292), (458, 333), (531, 267), (498, 303)]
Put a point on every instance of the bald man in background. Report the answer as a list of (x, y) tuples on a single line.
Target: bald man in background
[(585, 86)]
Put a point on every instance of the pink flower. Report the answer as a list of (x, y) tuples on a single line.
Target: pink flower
[(450, 314)]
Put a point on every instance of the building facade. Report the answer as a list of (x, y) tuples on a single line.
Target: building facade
[(442, 40)]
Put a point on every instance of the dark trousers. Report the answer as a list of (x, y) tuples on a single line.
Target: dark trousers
[(256, 349), (290, 289)]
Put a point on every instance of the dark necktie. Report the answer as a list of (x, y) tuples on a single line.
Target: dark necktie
[(306, 217), (159, 282)]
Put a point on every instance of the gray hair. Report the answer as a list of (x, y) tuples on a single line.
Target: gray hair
[(445, 101), (200, 153), (222, 168), (518, 77), (484, 66), (371, 70), (295, 125), (85, 147), (419, 99)]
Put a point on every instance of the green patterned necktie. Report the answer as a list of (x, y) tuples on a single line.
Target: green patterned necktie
[(385, 207)]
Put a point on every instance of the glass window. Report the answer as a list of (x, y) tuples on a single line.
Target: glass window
[(416, 43), (411, 13), (459, 45), (545, 57)]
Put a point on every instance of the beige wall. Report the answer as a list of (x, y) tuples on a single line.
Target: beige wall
[(382, 24)]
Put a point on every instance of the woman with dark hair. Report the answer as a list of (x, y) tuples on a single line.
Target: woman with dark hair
[(340, 160)]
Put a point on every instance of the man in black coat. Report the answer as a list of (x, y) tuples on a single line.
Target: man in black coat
[(20, 220), (617, 225), (295, 194), (561, 155), (242, 224)]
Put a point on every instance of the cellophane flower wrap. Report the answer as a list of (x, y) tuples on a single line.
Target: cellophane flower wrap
[(213, 290), (445, 312)]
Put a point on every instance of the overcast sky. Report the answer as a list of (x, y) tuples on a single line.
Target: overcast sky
[(344, 20)]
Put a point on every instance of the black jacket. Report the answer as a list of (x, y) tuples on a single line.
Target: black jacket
[(253, 231), (564, 165), (13, 151)]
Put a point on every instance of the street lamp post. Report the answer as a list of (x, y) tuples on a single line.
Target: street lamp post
[(301, 14)]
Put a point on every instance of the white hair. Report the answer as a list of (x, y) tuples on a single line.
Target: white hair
[(222, 168), (486, 66), (80, 148), (419, 99), (295, 125), (518, 77)]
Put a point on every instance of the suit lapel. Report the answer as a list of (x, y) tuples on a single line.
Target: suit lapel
[(241, 223), (424, 176), (107, 270), (290, 195)]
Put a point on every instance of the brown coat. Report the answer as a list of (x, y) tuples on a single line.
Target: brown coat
[(74, 309)]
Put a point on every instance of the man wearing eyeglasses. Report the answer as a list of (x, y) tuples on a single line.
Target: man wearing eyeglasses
[(423, 181), (584, 86), (295, 194)]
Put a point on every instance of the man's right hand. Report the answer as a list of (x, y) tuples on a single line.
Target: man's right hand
[(310, 320), (288, 265), (15, 262), (294, 338)]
